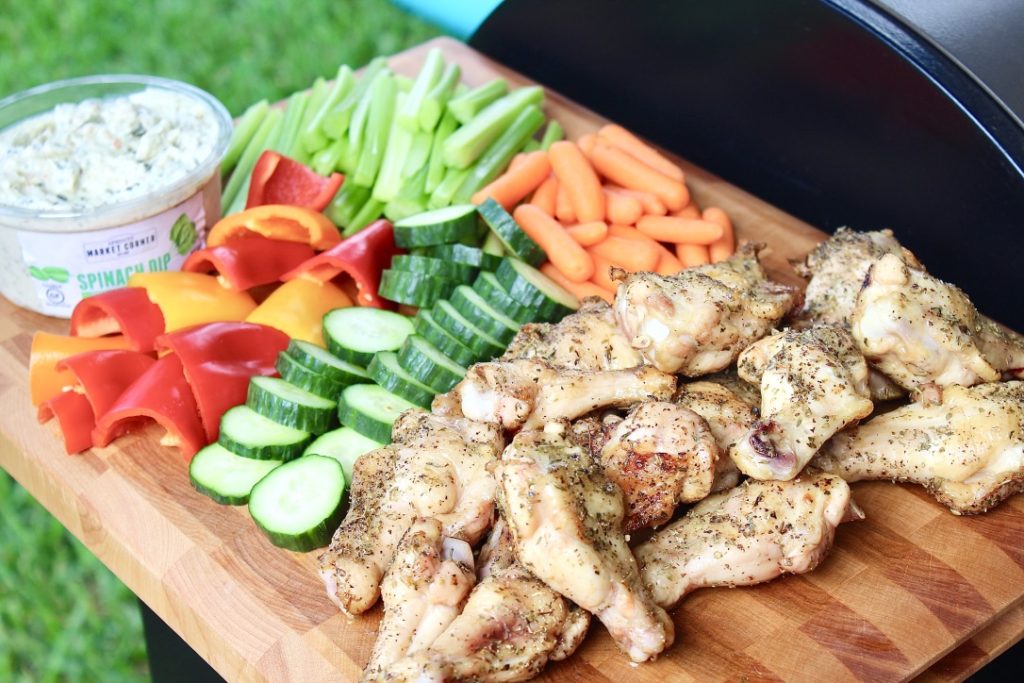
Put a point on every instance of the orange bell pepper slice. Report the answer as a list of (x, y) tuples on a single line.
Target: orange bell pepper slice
[(297, 308), (277, 222), (188, 299), (44, 379)]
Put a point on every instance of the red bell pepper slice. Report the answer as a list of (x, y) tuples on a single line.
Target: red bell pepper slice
[(249, 262), (362, 256), (104, 375), (161, 394), (219, 359), (277, 179), (75, 416), (127, 311)]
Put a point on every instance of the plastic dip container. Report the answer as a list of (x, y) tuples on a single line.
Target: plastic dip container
[(52, 256)]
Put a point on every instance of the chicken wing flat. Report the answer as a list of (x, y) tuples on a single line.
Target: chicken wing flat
[(813, 383), (753, 533), (698, 321), (730, 409), (968, 450), (566, 519)]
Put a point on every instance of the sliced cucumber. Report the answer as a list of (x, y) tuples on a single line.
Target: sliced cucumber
[(344, 445), (299, 504), (286, 404), (487, 285), (355, 334), (530, 287), (483, 345), (447, 343), (324, 362), (513, 238), (414, 289), (371, 410), (385, 371), (448, 225), (463, 253), (226, 477), (245, 432), (469, 303), (298, 374), (429, 265), (425, 362)]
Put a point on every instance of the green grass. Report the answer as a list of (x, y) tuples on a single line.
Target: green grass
[(63, 615)]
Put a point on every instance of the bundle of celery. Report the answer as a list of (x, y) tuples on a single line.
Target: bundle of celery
[(404, 145)]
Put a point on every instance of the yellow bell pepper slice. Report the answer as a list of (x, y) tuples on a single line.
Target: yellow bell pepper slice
[(188, 299), (297, 308)]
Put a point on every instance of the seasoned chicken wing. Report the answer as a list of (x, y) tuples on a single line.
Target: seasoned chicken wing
[(566, 519), (730, 409), (813, 383), (968, 450), (698, 321), (753, 533)]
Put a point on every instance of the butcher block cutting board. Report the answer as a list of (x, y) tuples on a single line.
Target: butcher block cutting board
[(911, 590)]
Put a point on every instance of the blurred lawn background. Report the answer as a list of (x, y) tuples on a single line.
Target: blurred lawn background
[(63, 615)]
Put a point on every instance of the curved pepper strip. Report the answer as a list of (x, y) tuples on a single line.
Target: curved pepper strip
[(277, 179), (218, 360), (244, 263), (188, 299), (277, 222), (103, 376), (362, 256), (161, 394), (297, 308), (126, 311), (75, 417), (45, 380)]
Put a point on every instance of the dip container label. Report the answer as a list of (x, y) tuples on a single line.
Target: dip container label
[(67, 267)]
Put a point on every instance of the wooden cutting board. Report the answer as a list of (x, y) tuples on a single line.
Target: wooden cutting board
[(910, 587)]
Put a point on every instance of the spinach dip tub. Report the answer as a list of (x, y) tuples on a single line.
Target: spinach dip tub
[(102, 177)]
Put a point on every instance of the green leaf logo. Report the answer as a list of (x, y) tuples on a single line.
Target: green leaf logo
[(183, 234), (38, 273), (57, 274)]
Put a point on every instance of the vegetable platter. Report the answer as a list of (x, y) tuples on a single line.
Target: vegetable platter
[(911, 590)]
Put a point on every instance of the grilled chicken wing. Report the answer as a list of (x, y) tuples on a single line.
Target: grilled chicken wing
[(754, 533), (697, 321), (566, 519), (730, 411), (968, 450), (813, 383), (436, 468)]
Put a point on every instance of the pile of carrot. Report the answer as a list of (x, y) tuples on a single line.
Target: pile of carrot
[(609, 200)]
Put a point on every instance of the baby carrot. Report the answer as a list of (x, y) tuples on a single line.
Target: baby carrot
[(512, 187), (630, 233), (622, 208), (668, 264), (724, 246), (516, 160), (563, 207), (679, 230), (631, 255), (634, 146), (579, 179), (652, 206), (562, 250), (602, 273), (544, 196), (588, 234), (691, 210), (587, 142), (692, 254), (581, 289), (628, 171)]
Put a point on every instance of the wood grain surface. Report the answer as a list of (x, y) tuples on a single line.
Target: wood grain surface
[(909, 588)]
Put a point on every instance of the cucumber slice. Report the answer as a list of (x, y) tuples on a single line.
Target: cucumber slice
[(323, 362), (429, 265), (385, 371), (355, 334), (469, 303), (298, 505), (483, 345), (245, 432), (344, 445), (414, 289), (289, 405), (425, 362), (448, 225), (226, 477), (511, 235), (447, 343), (371, 410), (294, 372), (487, 285), (530, 287), (462, 253)]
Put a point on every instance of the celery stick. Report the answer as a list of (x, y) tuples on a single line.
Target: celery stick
[(346, 204), (443, 193), (317, 93), (389, 178), (370, 212), (360, 115), (493, 245), (553, 133), (313, 137), (434, 103), (378, 125), (410, 200), (532, 145), (436, 170), (419, 153), (430, 73), (336, 122), (325, 162), (467, 105), (243, 169), (467, 143), (500, 153), (292, 120), (242, 133), (403, 83)]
